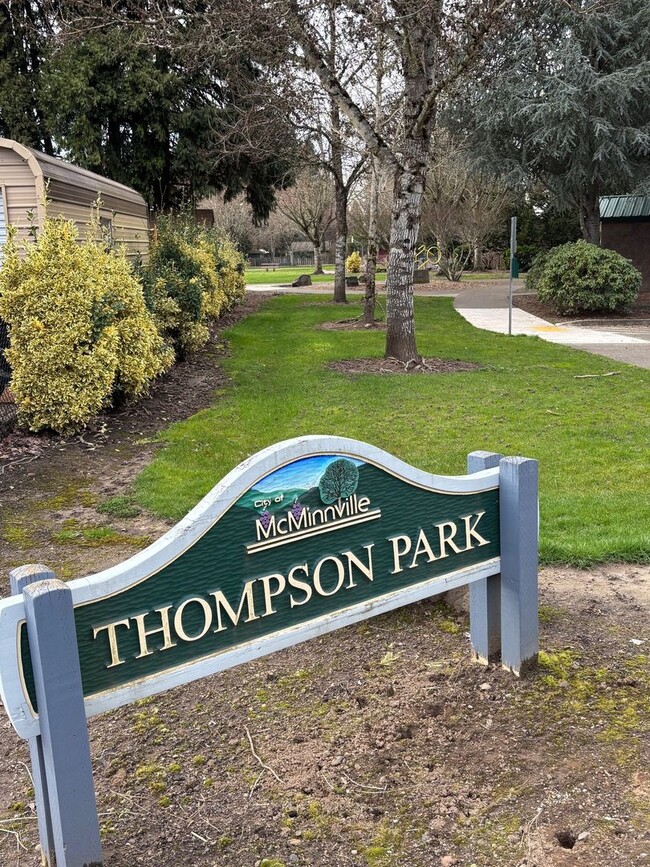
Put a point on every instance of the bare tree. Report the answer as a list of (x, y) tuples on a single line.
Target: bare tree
[(463, 205), (309, 203), (436, 42), (276, 233), (233, 218)]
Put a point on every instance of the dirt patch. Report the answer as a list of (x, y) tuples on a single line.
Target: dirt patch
[(383, 745), (392, 365), (531, 304), (379, 745)]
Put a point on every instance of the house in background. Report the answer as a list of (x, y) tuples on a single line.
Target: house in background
[(28, 178), (625, 228)]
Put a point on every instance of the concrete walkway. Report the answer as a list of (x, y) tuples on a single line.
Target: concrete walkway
[(487, 308)]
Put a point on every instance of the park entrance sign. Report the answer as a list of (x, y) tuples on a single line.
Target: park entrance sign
[(302, 538)]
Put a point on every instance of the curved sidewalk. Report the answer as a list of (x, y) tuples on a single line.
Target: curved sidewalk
[(487, 308)]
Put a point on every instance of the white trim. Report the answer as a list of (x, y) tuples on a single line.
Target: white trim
[(194, 525)]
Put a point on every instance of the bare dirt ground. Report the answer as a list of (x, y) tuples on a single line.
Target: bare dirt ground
[(380, 745)]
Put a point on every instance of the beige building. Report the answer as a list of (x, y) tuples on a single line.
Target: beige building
[(29, 178)]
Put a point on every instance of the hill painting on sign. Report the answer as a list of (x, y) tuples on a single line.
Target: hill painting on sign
[(304, 479)]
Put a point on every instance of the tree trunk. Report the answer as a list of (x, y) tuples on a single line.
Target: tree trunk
[(590, 214), (477, 256), (405, 226), (341, 200), (370, 298), (318, 258)]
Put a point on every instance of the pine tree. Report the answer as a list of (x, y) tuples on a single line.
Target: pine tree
[(24, 30), (140, 115), (567, 105)]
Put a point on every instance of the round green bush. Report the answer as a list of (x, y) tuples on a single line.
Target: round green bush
[(582, 278)]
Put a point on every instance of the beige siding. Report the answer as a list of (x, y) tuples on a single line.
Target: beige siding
[(127, 229), (71, 194), (20, 190)]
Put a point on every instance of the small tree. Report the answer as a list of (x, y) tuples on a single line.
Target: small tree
[(339, 481), (309, 203)]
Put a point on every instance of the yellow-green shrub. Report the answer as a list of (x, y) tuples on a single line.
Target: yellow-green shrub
[(193, 276), (80, 330), (353, 263)]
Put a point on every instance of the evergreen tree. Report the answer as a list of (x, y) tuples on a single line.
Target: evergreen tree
[(140, 115), (86, 79), (24, 31), (566, 103)]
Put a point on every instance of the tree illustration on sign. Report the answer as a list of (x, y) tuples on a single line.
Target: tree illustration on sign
[(339, 480)]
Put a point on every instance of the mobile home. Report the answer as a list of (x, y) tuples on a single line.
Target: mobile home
[(29, 179)]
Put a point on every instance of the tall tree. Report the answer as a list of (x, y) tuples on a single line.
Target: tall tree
[(435, 43), (24, 33), (140, 114), (568, 104)]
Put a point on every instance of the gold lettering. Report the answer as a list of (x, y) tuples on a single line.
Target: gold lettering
[(352, 558), (268, 596), (222, 602), (143, 633), (299, 585), (447, 539), (470, 531), (318, 587), (179, 629), (422, 547), (111, 628), (395, 542)]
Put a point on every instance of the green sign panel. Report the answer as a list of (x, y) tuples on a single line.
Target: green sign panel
[(296, 541)]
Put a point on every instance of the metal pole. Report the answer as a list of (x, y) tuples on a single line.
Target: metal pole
[(513, 250)]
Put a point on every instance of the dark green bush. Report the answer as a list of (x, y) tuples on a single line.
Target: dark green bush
[(583, 278)]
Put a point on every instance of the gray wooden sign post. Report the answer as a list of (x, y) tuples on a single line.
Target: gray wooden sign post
[(504, 607), (519, 510), (485, 595), (63, 765), (19, 579)]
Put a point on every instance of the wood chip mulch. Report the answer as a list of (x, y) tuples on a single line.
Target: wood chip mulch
[(392, 365), (353, 325)]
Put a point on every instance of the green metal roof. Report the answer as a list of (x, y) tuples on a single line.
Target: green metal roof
[(624, 207)]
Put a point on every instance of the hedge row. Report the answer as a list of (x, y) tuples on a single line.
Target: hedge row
[(87, 330)]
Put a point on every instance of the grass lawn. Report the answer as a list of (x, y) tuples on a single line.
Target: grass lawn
[(256, 276), (485, 275), (589, 435)]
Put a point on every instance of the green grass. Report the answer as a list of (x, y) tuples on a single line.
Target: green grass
[(257, 276), (485, 275), (285, 275), (589, 435)]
